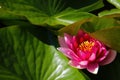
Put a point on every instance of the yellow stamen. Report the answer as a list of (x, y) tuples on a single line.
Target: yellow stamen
[(86, 46)]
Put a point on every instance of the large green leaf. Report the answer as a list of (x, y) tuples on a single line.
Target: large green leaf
[(50, 12), (30, 54), (90, 25), (94, 6), (73, 28), (100, 23), (70, 16), (116, 3), (110, 13), (85, 5), (6, 15), (7, 18)]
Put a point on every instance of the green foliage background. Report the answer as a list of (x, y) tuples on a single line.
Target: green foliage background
[(29, 30)]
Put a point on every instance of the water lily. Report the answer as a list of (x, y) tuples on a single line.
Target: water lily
[(85, 52)]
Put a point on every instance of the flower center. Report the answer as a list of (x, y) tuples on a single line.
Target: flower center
[(86, 46)]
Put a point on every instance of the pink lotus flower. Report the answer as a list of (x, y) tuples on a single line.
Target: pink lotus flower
[(85, 52)]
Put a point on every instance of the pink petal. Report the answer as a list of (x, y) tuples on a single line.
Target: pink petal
[(68, 40), (75, 43), (102, 54), (80, 34), (93, 68), (83, 63), (109, 58), (99, 43), (69, 53), (92, 57), (76, 64), (81, 54), (62, 42)]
